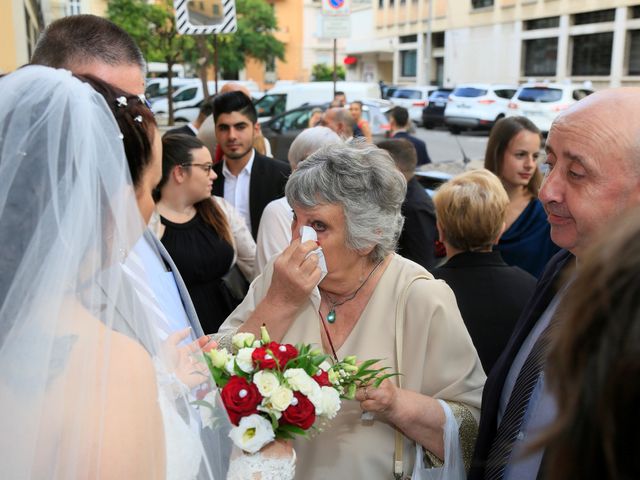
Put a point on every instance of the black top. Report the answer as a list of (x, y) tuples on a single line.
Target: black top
[(419, 233), (202, 258), (491, 296), (419, 145)]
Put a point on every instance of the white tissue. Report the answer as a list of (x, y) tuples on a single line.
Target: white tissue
[(308, 233)]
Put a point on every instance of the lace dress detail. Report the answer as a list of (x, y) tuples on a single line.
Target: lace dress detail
[(258, 467)]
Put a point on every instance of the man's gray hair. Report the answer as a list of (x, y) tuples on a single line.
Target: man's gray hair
[(82, 39), (362, 179), (308, 141)]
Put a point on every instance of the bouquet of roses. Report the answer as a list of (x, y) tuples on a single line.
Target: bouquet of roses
[(273, 390)]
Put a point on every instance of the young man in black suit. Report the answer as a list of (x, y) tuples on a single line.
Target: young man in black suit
[(246, 179), (398, 123)]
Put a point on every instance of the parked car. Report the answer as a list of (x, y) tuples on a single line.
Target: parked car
[(388, 91), (282, 129), (414, 99), (157, 87), (542, 102), (432, 179), (190, 96), (287, 97), (477, 106), (433, 113)]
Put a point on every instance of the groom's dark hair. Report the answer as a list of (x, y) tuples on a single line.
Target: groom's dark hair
[(82, 39)]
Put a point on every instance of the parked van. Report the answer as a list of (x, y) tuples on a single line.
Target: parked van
[(287, 97), (191, 95)]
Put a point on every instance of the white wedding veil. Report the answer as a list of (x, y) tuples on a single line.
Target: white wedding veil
[(87, 388)]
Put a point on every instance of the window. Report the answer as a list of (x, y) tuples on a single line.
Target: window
[(481, 3), (540, 56), (538, 23), (635, 12), (540, 94), (599, 16), (408, 63), (505, 93), (437, 39), (592, 54), (634, 52), (73, 7), (469, 92), (408, 39), (185, 95)]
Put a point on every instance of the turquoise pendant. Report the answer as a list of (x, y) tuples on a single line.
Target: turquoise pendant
[(332, 316)]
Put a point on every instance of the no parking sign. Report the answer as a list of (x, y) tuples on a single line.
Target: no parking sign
[(336, 7)]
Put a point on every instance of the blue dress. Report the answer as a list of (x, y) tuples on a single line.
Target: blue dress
[(527, 243)]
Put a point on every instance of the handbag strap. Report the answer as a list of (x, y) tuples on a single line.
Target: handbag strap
[(398, 464)]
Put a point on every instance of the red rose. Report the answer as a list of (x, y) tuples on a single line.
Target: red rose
[(283, 352), (240, 398), (263, 359), (322, 378), (302, 414)]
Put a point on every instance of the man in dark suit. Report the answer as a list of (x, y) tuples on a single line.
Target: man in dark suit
[(192, 128), (246, 179), (418, 237), (594, 175), (398, 123)]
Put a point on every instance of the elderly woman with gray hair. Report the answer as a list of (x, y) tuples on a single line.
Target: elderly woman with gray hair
[(372, 303), (274, 233)]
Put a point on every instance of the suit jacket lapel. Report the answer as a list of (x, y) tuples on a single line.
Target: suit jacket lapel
[(218, 184), (256, 192)]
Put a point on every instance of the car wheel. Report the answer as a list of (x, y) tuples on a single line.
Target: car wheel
[(428, 125), (454, 130)]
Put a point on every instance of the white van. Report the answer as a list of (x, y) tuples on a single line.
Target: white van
[(157, 87), (287, 97), (191, 95)]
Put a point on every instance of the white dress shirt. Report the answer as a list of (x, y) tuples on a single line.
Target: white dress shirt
[(274, 233), (236, 188)]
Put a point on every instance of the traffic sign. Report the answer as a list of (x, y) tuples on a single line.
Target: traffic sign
[(336, 7)]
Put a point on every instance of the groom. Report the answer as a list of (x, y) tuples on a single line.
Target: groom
[(90, 45)]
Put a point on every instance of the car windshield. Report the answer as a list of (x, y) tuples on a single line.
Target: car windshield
[(271, 104), (540, 94), (438, 94), (469, 92), (406, 93)]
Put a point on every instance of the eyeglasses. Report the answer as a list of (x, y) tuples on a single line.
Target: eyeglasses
[(207, 167)]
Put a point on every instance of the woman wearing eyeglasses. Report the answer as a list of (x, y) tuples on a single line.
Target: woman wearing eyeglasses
[(204, 235)]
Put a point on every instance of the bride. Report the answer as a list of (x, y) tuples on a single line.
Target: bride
[(90, 386)]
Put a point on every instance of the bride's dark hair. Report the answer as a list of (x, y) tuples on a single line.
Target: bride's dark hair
[(135, 120)]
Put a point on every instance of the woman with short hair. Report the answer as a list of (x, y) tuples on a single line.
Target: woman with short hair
[(470, 211), (512, 154), (372, 303)]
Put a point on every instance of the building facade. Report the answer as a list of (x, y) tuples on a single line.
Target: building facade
[(20, 25), (448, 42)]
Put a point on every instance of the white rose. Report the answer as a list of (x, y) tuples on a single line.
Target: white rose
[(281, 398), (230, 366), (266, 382), (244, 361), (329, 402), (243, 339), (324, 366), (219, 358), (299, 380), (253, 433)]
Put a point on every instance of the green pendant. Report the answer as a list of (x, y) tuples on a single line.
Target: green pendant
[(332, 316)]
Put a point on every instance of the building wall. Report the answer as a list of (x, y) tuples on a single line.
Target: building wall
[(20, 24)]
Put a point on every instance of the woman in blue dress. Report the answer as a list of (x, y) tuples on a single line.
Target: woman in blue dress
[(512, 154)]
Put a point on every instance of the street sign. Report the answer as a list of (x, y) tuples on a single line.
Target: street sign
[(205, 17), (334, 26), (336, 7)]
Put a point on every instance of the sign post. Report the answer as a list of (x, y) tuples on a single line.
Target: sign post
[(336, 24)]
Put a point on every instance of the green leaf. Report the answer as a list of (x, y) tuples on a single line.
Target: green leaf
[(379, 380)]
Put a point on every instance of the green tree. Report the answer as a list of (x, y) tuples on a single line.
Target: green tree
[(254, 38), (321, 72), (153, 27)]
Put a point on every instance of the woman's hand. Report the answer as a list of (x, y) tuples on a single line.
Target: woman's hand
[(382, 401), (184, 360), (295, 274)]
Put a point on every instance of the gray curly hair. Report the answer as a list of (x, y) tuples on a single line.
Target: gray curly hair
[(362, 179)]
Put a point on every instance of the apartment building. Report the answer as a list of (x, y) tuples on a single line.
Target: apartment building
[(510, 40), (20, 25)]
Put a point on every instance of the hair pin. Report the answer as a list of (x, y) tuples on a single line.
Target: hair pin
[(122, 101), (138, 119), (121, 136)]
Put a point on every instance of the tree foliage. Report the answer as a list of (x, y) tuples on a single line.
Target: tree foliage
[(322, 72), (254, 38)]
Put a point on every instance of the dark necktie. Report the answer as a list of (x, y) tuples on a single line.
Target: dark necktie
[(511, 423)]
